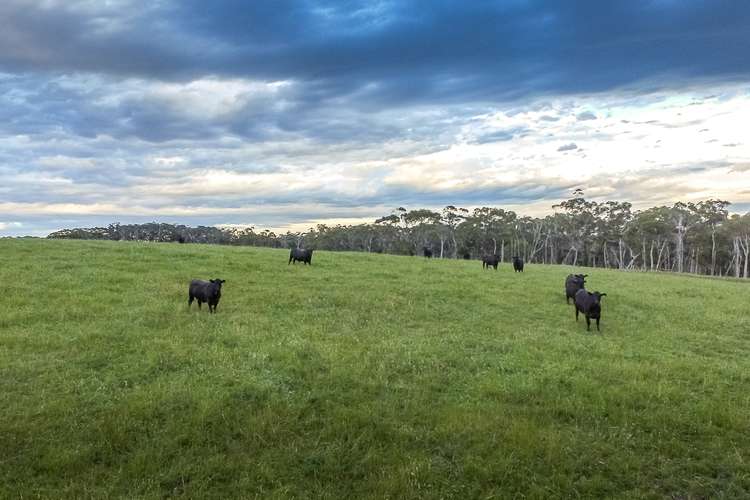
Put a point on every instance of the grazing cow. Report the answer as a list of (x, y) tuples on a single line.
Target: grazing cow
[(300, 254), (427, 252), (518, 264), (589, 303), (205, 291), (490, 260), (467, 256), (573, 283)]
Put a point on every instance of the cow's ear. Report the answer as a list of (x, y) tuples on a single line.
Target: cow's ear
[(602, 294), (223, 281), (212, 281)]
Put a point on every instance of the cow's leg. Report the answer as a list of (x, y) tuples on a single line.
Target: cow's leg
[(576, 314), (200, 303), (190, 300), (597, 325), (588, 323)]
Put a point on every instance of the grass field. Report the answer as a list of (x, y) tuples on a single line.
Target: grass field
[(362, 376)]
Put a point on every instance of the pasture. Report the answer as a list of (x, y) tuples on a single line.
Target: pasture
[(362, 376)]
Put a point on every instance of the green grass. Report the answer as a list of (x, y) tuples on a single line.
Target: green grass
[(362, 376)]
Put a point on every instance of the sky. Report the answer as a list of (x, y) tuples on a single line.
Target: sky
[(284, 114)]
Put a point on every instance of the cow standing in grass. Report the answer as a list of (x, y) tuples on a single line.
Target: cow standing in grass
[(573, 283), (490, 260), (427, 252), (205, 291), (300, 254), (518, 264), (589, 303)]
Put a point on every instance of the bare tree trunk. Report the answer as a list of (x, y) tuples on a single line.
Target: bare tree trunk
[(694, 263), (536, 244), (680, 250), (658, 259), (713, 248), (502, 251), (494, 246), (632, 258), (697, 257), (575, 258), (565, 259), (651, 254), (736, 256), (442, 245)]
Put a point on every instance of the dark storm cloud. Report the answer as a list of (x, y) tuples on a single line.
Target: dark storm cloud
[(344, 60), (519, 193), (586, 115), (451, 51), (500, 135)]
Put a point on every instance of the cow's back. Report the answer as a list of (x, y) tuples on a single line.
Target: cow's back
[(197, 286)]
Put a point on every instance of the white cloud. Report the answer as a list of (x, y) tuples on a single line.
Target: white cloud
[(647, 149), (9, 225)]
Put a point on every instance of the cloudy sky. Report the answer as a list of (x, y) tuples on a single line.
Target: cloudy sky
[(286, 113)]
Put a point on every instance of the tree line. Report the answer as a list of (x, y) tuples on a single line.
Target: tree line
[(699, 238)]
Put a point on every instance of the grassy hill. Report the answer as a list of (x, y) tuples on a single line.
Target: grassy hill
[(362, 376)]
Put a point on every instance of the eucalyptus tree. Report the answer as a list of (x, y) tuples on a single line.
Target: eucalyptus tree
[(421, 226), (612, 221), (684, 217), (737, 228), (712, 214), (449, 220), (493, 224), (580, 227)]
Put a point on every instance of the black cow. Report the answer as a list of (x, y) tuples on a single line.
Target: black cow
[(427, 252), (300, 254), (467, 256), (490, 260), (205, 291), (573, 283), (518, 264), (589, 303)]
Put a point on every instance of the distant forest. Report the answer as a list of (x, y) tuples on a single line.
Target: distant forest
[(699, 238)]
